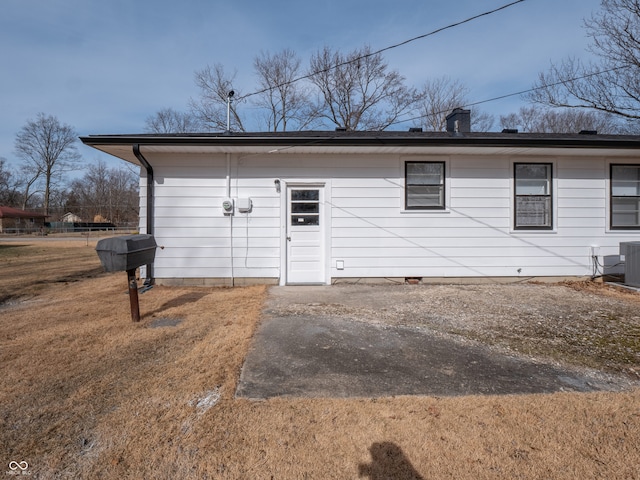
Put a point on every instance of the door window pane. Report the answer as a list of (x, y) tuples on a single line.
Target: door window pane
[(311, 195), (297, 207), (305, 220), (305, 207)]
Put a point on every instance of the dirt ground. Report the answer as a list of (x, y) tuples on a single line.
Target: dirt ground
[(86, 393)]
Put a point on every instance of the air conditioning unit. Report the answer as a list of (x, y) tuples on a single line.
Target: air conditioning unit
[(630, 253)]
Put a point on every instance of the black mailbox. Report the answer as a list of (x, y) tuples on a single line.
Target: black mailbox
[(127, 253), (120, 254)]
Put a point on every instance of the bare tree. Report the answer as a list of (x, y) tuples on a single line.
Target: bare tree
[(9, 194), (169, 120), (545, 120), (211, 109), (48, 149), (358, 91), (5, 180), (613, 84), (285, 99), (481, 121), (110, 193), (438, 98), (27, 180), (58, 203)]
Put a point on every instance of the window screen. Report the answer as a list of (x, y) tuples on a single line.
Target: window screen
[(424, 185), (533, 196)]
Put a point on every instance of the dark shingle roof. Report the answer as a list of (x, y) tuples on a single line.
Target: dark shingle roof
[(10, 212), (383, 138)]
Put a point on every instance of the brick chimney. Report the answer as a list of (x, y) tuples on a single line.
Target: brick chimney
[(459, 120)]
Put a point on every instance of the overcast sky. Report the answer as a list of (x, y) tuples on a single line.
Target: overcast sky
[(104, 66)]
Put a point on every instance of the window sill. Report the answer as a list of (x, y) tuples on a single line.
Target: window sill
[(426, 211), (522, 231), (623, 231)]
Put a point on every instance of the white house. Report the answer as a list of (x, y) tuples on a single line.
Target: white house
[(323, 207), (70, 217)]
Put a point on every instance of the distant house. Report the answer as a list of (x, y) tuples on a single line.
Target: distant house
[(14, 220), (70, 218), (333, 206)]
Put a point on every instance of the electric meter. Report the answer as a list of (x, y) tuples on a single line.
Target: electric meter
[(227, 205)]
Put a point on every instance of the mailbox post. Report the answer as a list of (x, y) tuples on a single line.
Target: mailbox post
[(126, 253), (133, 295)]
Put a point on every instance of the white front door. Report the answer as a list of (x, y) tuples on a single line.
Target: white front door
[(305, 234)]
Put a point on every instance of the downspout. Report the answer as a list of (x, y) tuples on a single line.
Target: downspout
[(143, 161)]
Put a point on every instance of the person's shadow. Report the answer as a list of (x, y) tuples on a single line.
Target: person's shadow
[(388, 462)]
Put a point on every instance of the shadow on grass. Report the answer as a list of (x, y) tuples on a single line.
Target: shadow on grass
[(93, 272), (183, 299), (388, 461), (6, 250)]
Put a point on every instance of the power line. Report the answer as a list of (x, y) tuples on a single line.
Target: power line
[(470, 19), (542, 87), (377, 52), (522, 92)]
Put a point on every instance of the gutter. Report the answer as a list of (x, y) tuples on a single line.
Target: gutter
[(150, 180), (372, 139)]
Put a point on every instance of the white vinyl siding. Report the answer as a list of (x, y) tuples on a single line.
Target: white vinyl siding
[(369, 229), (199, 240)]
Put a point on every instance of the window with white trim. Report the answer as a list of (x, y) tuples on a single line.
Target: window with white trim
[(533, 196), (424, 185), (625, 197)]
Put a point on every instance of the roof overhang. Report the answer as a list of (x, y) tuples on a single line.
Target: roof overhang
[(391, 143)]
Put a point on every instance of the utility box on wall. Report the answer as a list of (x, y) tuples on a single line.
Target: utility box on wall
[(631, 253), (244, 204)]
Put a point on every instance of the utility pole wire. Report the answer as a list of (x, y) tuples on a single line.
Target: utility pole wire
[(470, 19), (522, 92), (420, 37), (542, 87)]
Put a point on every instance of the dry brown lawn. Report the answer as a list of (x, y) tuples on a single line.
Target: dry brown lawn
[(86, 393)]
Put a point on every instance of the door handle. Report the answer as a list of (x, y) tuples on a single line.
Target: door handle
[(289, 238)]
